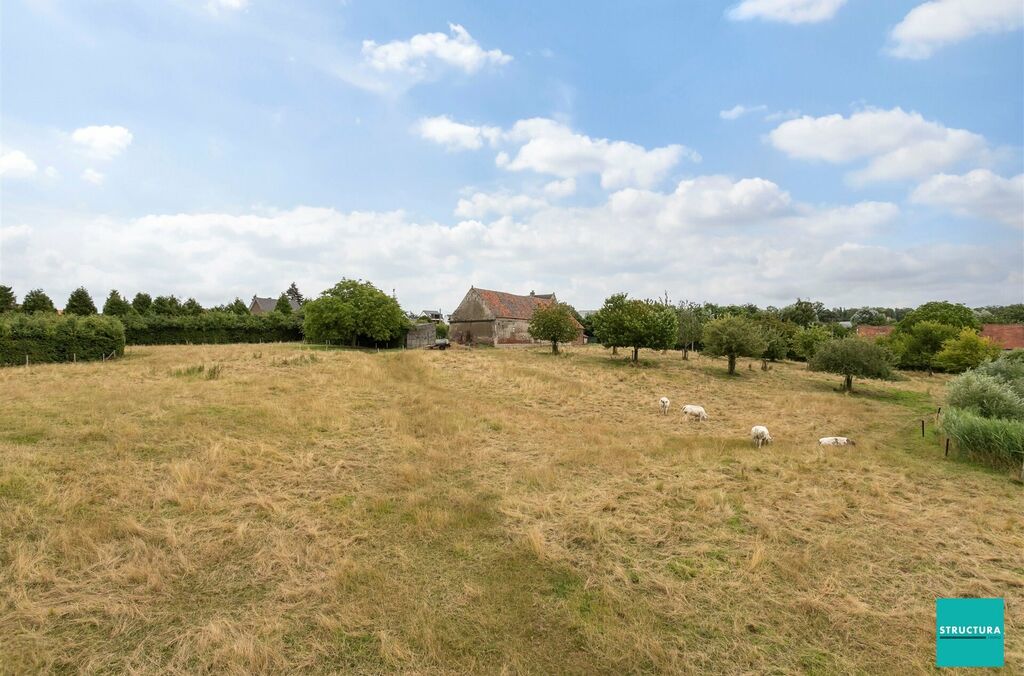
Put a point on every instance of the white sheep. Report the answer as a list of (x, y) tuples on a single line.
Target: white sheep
[(836, 441), (695, 411), (759, 435), (664, 405)]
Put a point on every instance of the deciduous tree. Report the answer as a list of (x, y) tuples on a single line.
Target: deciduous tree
[(555, 323), (733, 336)]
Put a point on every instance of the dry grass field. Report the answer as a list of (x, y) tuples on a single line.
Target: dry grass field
[(481, 511)]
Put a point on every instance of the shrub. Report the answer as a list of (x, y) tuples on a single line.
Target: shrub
[(210, 327), (966, 351), (996, 440), (851, 357), (1008, 369), (986, 396), (52, 338)]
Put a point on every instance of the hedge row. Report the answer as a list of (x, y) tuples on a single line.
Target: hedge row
[(46, 337), (211, 327)]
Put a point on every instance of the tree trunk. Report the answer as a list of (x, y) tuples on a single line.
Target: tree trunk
[(686, 354), (764, 364), (848, 383), (732, 364), (615, 349), (554, 347), (636, 354)]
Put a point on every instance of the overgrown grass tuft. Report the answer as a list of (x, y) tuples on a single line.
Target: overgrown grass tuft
[(993, 439)]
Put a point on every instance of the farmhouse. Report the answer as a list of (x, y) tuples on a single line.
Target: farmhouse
[(1006, 336), (498, 318), (261, 306)]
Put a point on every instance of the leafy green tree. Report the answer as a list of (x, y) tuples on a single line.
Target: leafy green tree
[(377, 316), (36, 300), (191, 308), (237, 307), (555, 323), (294, 293), (142, 303), (733, 336), (691, 326), (968, 350), (917, 345), (636, 324), (329, 319), (778, 339), (8, 302), (808, 339), (282, 305), (941, 312), (850, 357), (441, 330), (167, 305), (116, 306), (80, 303), (802, 312), (1005, 314)]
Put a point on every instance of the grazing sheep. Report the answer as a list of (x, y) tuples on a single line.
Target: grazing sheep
[(759, 435), (664, 405), (836, 441), (695, 411)]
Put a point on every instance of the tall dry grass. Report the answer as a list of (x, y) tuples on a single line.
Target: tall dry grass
[(481, 511)]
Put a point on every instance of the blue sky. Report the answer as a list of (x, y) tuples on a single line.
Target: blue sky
[(852, 151)]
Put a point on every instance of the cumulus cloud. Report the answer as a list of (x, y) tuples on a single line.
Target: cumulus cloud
[(102, 141), (563, 188), (786, 11), (16, 164), (976, 194), (455, 135), (217, 6), (897, 144), (10, 233), (739, 111), (936, 24), (421, 53), (548, 147), (93, 176), (482, 204)]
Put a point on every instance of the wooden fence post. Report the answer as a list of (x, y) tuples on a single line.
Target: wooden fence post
[(947, 447), (922, 428)]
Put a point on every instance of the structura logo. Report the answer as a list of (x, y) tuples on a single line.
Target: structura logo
[(969, 632)]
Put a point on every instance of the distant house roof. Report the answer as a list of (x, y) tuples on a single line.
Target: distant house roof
[(1006, 336), (260, 306), (866, 331), (504, 305)]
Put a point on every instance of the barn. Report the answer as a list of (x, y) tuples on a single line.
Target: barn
[(498, 318)]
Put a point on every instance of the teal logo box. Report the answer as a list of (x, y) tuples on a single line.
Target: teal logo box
[(969, 632)]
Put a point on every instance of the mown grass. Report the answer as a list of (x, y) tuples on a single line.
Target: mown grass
[(481, 511)]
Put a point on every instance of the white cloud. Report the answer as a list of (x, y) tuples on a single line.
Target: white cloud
[(976, 194), (786, 11), (10, 233), (16, 164), (739, 111), (102, 141), (218, 6), (420, 53), (897, 144), (454, 135), (93, 176), (563, 188), (936, 24), (548, 147), (480, 205), (51, 172)]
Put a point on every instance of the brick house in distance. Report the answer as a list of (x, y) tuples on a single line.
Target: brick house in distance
[(498, 318), (1006, 336)]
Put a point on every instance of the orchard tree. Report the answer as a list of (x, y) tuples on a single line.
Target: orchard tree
[(851, 357), (808, 339), (294, 293), (778, 339), (80, 303), (967, 350), (637, 324), (733, 336), (36, 300), (8, 302), (555, 323), (607, 322), (142, 303), (283, 306), (116, 306), (802, 312), (691, 326)]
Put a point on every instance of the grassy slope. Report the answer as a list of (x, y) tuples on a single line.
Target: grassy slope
[(480, 511)]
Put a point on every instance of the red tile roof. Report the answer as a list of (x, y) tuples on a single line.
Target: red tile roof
[(1006, 336), (510, 306), (866, 331)]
